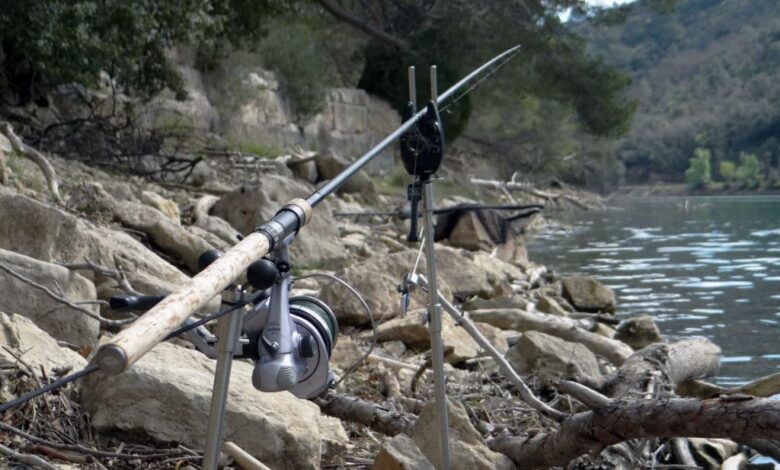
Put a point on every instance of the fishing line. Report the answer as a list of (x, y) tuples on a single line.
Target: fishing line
[(368, 310), (476, 84)]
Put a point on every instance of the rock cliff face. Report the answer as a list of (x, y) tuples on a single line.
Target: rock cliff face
[(245, 104)]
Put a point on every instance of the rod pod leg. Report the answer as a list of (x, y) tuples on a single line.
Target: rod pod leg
[(229, 331), (434, 313)]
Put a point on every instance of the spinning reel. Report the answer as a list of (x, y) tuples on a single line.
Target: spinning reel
[(290, 339)]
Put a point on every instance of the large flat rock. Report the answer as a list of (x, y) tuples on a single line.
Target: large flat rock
[(50, 234), (167, 395)]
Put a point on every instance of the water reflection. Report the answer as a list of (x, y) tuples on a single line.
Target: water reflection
[(709, 270)]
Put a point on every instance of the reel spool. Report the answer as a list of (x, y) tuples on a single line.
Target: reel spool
[(303, 369)]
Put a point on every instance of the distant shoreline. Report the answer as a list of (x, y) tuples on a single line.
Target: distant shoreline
[(682, 190)]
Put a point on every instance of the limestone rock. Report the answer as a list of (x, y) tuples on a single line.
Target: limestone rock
[(401, 453), (478, 303), (603, 330), (330, 164), (167, 235), (5, 145), (252, 109), (513, 251), (495, 335), (60, 321), (412, 332), (587, 294), (62, 237), (468, 449), (5, 150), (638, 332), (165, 110), (248, 207), (36, 347), (120, 191), (473, 273), (351, 123), (469, 233), (166, 206), (306, 171), (167, 394), (550, 305), (538, 352)]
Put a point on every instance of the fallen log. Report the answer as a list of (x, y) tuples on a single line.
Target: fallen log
[(647, 374), (621, 420), (364, 412), (654, 366), (612, 350)]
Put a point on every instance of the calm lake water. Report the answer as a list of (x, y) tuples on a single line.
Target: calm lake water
[(706, 267)]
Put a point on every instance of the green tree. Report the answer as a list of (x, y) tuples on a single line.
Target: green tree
[(728, 171), (698, 175), (44, 43), (457, 35), (748, 173)]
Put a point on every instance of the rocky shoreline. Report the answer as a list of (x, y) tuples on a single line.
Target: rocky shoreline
[(60, 261)]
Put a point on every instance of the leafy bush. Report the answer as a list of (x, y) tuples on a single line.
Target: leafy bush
[(297, 56), (728, 171), (698, 175), (748, 173)]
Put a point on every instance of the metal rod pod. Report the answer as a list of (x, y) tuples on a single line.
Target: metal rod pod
[(412, 89), (434, 86)]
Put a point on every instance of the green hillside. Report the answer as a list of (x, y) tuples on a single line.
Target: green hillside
[(706, 74)]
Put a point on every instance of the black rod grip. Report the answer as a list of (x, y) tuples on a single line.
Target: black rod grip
[(133, 303), (412, 237)]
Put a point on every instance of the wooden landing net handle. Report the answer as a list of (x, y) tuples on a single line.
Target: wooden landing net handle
[(154, 326)]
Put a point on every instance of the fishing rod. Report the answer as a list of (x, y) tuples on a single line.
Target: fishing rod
[(129, 345), (290, 339), (405, 213)]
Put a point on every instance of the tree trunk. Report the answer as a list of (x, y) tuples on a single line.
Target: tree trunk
[(591, 431)]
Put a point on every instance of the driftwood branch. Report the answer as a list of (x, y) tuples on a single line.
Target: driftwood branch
[(761, 387), (366, 413), (614, 351), (104, 271), (32, 460), (215, 225), (529, 189), (243, 458), (36, 157), (104, 322), (619, 421)]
